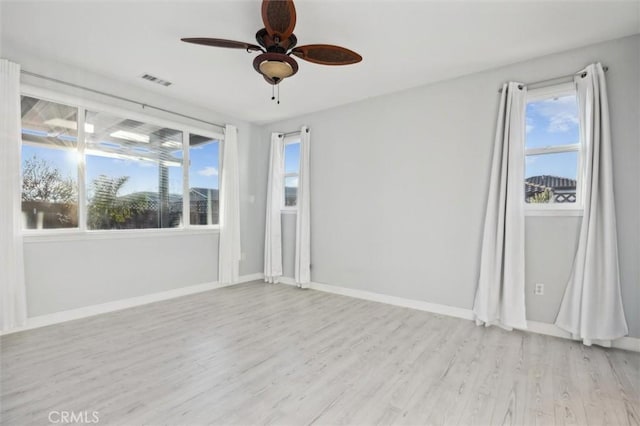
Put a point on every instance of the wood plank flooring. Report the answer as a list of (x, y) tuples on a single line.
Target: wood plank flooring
[(273, 354)]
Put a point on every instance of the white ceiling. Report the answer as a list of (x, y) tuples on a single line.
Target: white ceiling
[(404, 44)]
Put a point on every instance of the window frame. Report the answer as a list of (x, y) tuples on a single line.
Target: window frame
[(82, 232), (557, 209), (289, 140)]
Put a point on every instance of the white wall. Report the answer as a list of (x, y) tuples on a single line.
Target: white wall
[(67, 273), (399, 184), (63, 275)]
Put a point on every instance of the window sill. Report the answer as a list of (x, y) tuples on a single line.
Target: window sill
[(289, 211), (55, 235), (553, 212)]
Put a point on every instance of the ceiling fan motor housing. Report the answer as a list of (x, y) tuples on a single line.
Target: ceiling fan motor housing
[(275, 43)]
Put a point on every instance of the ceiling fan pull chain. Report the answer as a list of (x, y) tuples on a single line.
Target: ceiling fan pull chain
[(272, 93), (278, 94)]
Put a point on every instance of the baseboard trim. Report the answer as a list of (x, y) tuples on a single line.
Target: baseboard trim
[(626, 343), (118, 305), (420, 305), (250, 277)]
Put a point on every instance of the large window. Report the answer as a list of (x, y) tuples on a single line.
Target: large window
[(291, 171), (553, 149), (118, 173)]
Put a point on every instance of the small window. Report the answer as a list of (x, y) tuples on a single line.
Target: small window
[(49, 164), (133, 172), (553, 150), (291, 171), (204, 168)]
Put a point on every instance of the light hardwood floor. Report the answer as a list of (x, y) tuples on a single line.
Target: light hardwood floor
[(273, 354)]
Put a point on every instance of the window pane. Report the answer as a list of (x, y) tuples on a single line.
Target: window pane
[(49, 124), (134, 174), (292, 158), (49, 165), (551, 178), (552, 122), (203, 180), (290, 191)]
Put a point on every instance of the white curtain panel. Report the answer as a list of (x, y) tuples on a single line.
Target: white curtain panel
[(303, 218), (273, 225), (500, 293), (12, 287), (591, 309), (230, 250)]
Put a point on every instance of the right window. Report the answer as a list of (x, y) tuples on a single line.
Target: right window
[(553, 148)]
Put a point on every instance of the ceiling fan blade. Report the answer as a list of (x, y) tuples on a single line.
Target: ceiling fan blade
[(279, 17), (326, 54), (219, 42)]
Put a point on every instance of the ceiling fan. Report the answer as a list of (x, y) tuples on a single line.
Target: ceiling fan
[(277, 44)]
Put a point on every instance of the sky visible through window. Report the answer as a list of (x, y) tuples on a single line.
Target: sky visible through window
[(143, 175), (292, 162), (552, 122), (204, 166)]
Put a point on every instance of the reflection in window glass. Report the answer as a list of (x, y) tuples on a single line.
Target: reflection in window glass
[(134, 174), (204, 174), (49, 164)]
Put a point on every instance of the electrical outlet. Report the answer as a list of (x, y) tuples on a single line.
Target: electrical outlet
[(538, 289)]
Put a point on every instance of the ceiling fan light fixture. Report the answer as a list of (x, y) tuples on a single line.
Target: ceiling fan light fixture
[(275, 67), (276, 70)]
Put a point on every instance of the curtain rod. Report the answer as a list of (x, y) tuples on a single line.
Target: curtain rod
[(297, 132), (143, 105), (563, 77)]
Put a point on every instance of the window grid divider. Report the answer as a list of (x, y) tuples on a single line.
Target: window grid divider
[(186, 193), (553, 149), (82, 172)]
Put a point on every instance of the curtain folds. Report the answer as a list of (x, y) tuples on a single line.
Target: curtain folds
[(230, 249), (273, 225), (591, 309), (12, 287), (303, 218), (500, 295)]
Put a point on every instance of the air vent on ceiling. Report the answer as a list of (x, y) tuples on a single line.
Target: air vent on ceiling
[(155, 79)]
